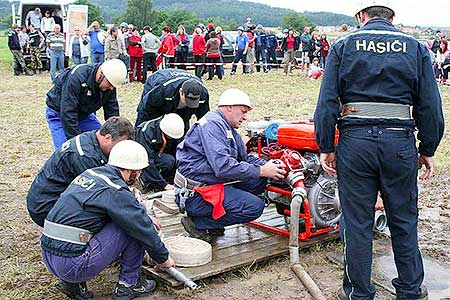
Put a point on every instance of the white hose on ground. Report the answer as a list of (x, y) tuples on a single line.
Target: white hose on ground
[(181, 278), (301, 273)]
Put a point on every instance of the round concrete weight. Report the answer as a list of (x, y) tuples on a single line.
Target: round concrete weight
[(188, 252)]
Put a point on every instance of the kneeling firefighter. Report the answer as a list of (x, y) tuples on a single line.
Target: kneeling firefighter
[(97, 220)]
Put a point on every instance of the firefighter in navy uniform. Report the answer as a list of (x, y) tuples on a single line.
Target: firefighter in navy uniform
[(377, 74), (160, 138), (87, 150), (78, 93), (173, 91), (97, 220), (211, 153)]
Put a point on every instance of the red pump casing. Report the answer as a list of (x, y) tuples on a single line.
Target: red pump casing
[(300, 136)]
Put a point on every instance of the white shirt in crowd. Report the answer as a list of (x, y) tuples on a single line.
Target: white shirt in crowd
[(47, 24)]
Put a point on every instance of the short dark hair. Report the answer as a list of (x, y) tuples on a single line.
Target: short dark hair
[(192, 86), (167, 29), (380, 12), (212, 34), (113, 29), (148, 28), (117, 127)]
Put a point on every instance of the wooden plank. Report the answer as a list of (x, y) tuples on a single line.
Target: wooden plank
[(242, 245)]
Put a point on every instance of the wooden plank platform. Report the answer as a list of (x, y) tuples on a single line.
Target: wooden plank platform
[(241, 245)]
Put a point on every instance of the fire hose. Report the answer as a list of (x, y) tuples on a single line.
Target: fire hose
[(295, 178), (181, 278)]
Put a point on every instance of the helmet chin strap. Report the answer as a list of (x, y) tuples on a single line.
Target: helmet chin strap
[(132, 178)]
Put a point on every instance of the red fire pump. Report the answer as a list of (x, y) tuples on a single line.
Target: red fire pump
[(306, 189)]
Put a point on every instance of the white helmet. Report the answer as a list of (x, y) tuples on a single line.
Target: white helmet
[(370, 3), (234, 97), (172, 125), (115, 71), (128, 155)]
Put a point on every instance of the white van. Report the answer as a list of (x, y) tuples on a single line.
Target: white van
[(65, 13)]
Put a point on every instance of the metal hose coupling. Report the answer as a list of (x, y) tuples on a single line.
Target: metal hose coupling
[(299, 191)]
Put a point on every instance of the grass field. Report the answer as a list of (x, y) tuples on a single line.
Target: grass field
[(25, 145)]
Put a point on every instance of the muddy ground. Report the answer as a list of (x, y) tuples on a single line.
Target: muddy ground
[(25, 145)]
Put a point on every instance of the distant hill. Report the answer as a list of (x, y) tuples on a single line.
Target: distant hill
[(329, 19)]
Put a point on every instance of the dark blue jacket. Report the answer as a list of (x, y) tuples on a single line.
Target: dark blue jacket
[(73, 158), (379, 63), (95, 198), (262, 37), (13, 41), (213, 152), (161, 96), (75, 95), (271, 41), (149, 135)]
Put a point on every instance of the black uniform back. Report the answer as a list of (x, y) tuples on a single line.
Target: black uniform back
[(94, 198), (161, 96), (73, 158), (75, 95)]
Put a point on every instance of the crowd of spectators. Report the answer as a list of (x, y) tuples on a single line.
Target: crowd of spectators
[(143, 51)]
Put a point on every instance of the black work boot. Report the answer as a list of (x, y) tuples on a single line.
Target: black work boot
[(75, 291), (341, 294), (142, 287), (423, 293), (195, 233), (217, 232)]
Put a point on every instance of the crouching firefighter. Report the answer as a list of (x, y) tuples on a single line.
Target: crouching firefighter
[(173, 91), (97, 220), (210, 160), (85, 151), (160, 138)]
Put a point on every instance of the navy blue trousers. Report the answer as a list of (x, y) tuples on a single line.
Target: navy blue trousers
[(240, 56), (241, 205), (110, 243), (372, 159), (260, 54)]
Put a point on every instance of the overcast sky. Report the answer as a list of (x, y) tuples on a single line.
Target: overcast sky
[(408, 12)]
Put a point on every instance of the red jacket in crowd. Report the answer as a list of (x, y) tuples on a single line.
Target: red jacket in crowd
[(167, 46), (325, 48), (134, 46), (198, 45), (251, 42), (176, 41)]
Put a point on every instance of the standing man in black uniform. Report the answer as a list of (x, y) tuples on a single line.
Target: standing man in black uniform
[(378, 73), (173, 91), (160, 138), (78, 93), (87, 150)]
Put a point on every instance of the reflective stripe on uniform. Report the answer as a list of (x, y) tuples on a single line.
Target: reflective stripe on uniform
[(346, 266), (78, 144), (105, 178)]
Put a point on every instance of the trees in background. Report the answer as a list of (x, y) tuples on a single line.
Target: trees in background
[(296, 21)]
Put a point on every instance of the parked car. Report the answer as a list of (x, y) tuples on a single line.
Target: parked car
[(227, 48)]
